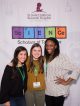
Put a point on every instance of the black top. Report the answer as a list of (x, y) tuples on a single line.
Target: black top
[(12, 84)]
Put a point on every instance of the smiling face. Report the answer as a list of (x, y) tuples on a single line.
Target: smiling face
[(22, 57), (50, 46), (36, 53)]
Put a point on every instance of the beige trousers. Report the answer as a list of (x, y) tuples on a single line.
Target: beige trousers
[(35, 98)]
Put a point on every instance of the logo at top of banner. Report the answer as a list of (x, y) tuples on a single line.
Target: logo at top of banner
[(38, 13), (38, 9)]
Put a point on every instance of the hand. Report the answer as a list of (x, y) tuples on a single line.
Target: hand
[(63, 81), (7, 104)]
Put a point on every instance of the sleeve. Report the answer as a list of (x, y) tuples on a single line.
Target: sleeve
[(4, 90), (73, 70), (72, 74)]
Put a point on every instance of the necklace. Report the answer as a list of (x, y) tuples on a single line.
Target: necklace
[(36, 69), (22, 73)]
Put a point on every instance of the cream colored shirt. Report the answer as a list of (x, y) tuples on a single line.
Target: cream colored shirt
[(59, 67)]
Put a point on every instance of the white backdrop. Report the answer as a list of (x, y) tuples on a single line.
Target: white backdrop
[(63, 13)]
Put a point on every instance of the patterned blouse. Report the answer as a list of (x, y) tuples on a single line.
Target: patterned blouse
[(59, 67)]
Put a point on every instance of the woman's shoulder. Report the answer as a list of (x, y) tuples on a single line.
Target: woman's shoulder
[(10, 64), (8, 70), (61, 55), (9, 67)]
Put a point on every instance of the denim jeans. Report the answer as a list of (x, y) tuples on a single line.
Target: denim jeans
[(17, 101)]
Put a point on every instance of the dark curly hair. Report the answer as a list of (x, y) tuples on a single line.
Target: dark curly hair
[(50, 57)]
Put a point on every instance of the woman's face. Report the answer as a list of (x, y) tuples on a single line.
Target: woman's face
[(22, 57), (36, 53), (50, 46)]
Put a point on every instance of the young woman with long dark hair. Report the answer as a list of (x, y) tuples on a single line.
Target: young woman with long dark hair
[(14, 80), (60, 72)]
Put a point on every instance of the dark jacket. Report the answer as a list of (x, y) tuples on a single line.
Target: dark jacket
[(12, 84)]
